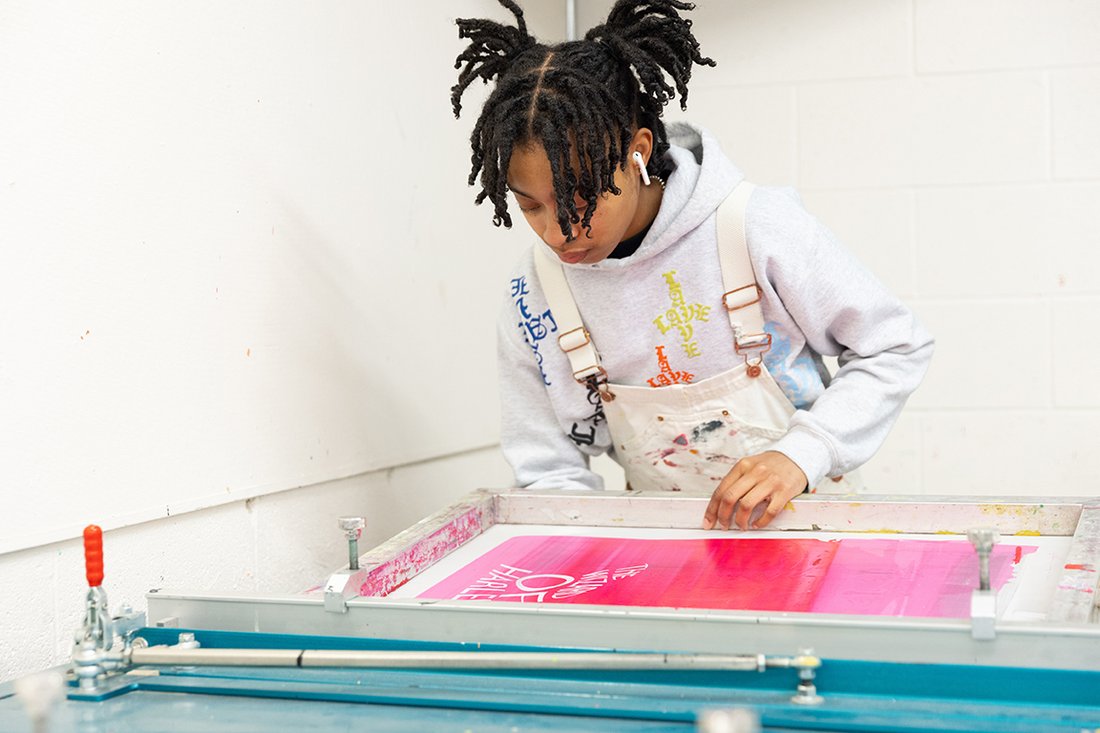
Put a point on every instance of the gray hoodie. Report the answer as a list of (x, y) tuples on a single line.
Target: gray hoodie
[(656, 318)]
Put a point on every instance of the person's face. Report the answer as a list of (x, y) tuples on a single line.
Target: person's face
[(617, 217)]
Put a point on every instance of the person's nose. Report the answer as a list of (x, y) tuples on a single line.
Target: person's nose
[(551, 233)]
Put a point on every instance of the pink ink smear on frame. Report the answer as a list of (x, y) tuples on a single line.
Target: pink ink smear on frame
[(874, 577)]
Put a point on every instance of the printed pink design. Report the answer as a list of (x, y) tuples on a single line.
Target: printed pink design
[(758, 574), (887, 577), (910, 577)]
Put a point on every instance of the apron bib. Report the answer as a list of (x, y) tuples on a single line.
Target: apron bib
[(687, 437)]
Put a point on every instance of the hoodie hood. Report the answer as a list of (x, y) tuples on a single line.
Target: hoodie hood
[(701, 178)]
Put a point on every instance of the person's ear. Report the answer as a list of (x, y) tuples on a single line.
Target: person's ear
[(642, 143)]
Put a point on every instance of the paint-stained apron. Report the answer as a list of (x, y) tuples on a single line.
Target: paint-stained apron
[(687, 437)]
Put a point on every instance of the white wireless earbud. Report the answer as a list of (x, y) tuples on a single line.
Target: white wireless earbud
[(641, 167)]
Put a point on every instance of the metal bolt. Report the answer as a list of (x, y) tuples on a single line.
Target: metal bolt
[(86, 664), (806, 664), (187, 641), (983, 539), (352, 528)]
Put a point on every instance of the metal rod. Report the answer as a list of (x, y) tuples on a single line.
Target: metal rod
[(453, 660), (983, 571), (983, 539), (353, 528)]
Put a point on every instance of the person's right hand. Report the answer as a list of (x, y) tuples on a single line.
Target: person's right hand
[(768, 478)]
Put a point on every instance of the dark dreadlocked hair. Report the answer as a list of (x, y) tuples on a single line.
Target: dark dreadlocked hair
[(583, 98)]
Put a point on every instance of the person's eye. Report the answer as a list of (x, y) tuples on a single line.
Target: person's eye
[(528, 209)]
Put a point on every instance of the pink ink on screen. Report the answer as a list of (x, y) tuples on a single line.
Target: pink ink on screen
[(756, 574), (875, 577), (910, 577)]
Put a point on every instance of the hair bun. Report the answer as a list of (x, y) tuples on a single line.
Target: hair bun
[(655, 40), (492, 50)]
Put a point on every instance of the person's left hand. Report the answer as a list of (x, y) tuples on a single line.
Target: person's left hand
[(769, 477)]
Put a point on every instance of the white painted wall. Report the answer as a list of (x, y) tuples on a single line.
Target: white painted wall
[(237, 257), (951, 145)]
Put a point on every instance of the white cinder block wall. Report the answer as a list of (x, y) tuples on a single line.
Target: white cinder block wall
[(955, 147)]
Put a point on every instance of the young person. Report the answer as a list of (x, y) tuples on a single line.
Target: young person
[(672, 315)]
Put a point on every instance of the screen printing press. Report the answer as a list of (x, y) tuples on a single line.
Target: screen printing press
[(525, 611)]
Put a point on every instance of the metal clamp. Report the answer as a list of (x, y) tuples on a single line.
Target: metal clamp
[(352, 527), (983, 600), (94, 655), (753, 345), (94, 652), (338, 588)]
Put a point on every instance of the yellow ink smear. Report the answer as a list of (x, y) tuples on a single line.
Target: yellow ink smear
[(789, 506), (1003, 509), (1028, 533)]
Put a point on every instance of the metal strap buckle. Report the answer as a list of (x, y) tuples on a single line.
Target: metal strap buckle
[(733, 301), (595, 377), (753, 344), (569, 341), (594, 372)]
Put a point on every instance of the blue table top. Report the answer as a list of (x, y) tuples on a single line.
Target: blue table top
[(858, 696)]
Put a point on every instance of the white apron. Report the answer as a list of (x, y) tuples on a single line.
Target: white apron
[(687, 437)]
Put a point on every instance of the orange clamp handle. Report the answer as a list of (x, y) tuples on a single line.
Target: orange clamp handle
[(93, 555)]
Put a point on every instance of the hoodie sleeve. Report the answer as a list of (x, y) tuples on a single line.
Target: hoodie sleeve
[(533, 440), (843, 311)]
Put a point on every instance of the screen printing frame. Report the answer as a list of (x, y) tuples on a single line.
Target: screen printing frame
[(1069, 638)]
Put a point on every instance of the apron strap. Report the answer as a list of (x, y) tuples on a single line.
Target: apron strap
[(574, 339), (742, 297)]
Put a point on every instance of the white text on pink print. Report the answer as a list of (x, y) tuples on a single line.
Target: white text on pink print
[(534, 327), (509, 583)]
